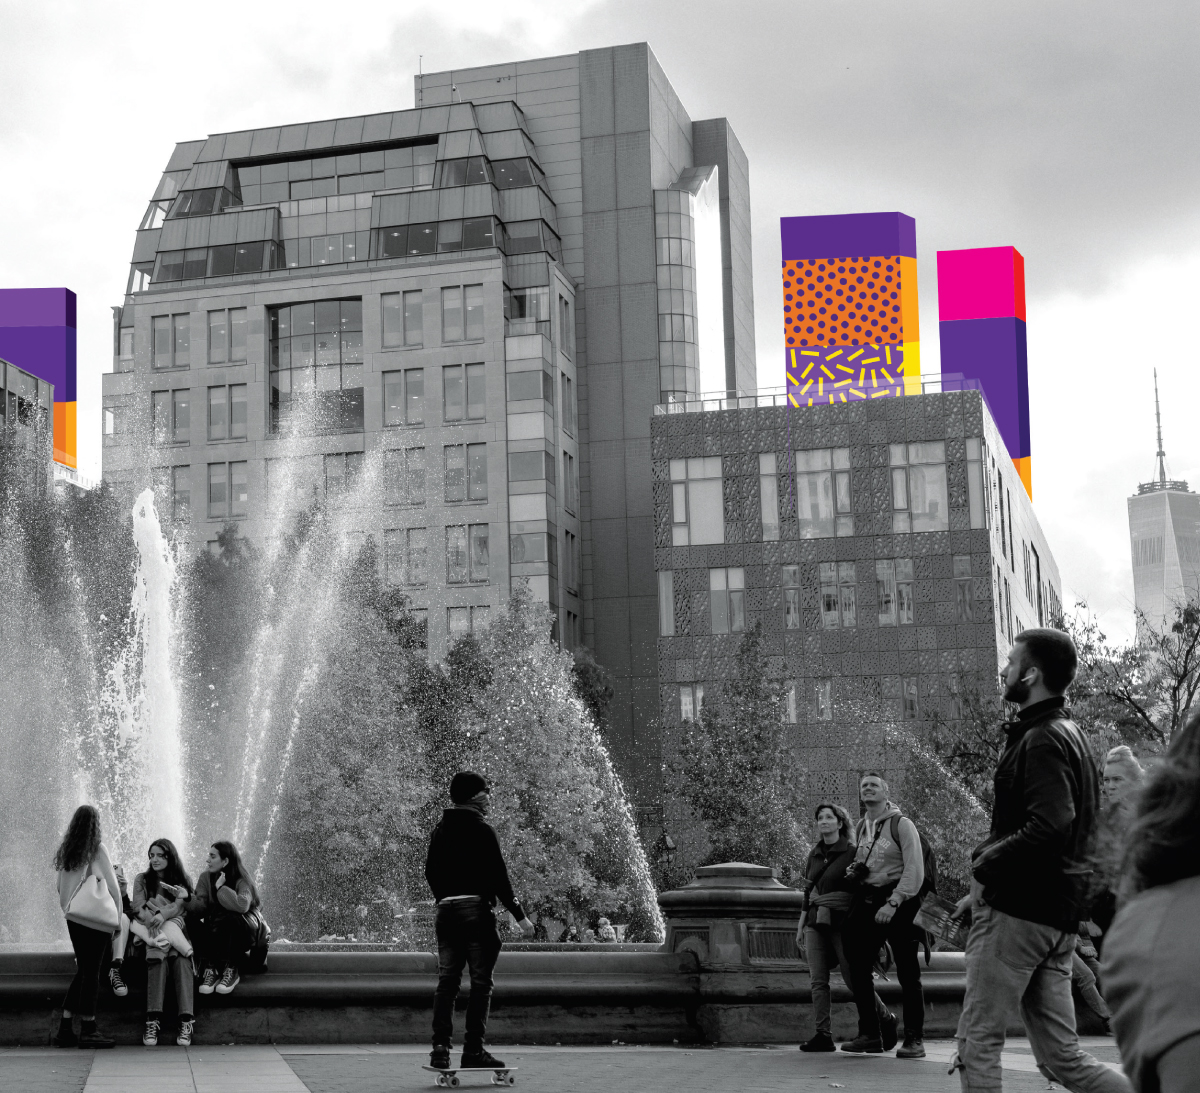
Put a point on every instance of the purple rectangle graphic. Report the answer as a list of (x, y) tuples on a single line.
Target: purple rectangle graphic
[(848, 235)]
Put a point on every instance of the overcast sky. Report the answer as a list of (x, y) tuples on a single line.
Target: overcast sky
[(1068, 130)]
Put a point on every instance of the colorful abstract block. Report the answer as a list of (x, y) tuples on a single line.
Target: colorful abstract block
[(850, 307), (37, 333), (981, 308)]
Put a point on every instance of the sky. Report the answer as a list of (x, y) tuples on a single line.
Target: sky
[(1065, 129)]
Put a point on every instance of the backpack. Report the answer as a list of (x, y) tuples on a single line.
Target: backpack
[(928, 858)]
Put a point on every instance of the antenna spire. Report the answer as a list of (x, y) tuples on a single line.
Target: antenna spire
[(1162, 455)]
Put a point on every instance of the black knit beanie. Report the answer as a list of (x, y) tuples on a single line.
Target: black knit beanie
[(465, 785)]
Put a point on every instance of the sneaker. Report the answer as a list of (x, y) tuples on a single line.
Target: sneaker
[(117, 983), (150, 1036), (912, 1048), (889, 1031), (228, 981), (66, 1036), (209, 981), (439, 1057), (862, 1045), (480, 1060), (95, 1038), (822, 1041), (184, 1039)]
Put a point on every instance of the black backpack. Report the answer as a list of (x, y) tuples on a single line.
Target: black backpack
[(927, 857)]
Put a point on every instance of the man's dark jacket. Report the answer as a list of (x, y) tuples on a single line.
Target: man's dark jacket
[(464, 860), (1035, 864)]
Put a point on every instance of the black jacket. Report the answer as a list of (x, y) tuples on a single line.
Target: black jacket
[(464, 860), (832, 878), (1034, 863)]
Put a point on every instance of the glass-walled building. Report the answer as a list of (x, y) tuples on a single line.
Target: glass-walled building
[(887, 548), (26, 429)]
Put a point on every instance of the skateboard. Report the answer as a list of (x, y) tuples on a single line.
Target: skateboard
[(448, 1076)]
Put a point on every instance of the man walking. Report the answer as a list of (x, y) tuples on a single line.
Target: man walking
[(1030, 880), (892, 871), (466, 871)]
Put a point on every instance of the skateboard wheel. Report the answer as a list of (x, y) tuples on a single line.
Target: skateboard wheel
[(510, 1079), (439, 1080), (452, 1081)]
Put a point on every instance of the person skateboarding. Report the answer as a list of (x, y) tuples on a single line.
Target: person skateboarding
[(466, 871)]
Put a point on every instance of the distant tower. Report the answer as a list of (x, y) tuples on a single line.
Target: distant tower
[(1164, 537)]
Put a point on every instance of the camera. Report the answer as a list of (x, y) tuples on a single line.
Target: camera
[(856, 873)]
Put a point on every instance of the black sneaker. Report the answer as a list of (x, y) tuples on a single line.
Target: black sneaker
[(862, 1045), (117, 983), (209, 981), (912, 1048), (822, 1041), (228, 981), (480, 1060), (66, 1036), (439, 1057), (889, 1028), (94, 1038)]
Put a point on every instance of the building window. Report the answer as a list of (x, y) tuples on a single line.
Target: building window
[(464, 392), (697, 501), (531, 467), (532, 386), (666, 603), (466, 472), (227, 412), (964, 596), (404, 476), (727, 600), (570, 485), (919, 497), (976, 495), (768, 493), (566, 328), (227, 336), (839, 609), (911, 703), (406, 555), (791, 597), (125, 349), (1012, 554), (172, 416), (1008, 609), (894, 591), (568, 404), (228, 490), (570, 561), (317, 365), (823, 493), (181, 493), (691, 701), (467, 554), (823, 699), (790, 711), (404, 397), (171, 339), (572, 636), (342, 472), (461, 621), (462, 314), (403, 322)]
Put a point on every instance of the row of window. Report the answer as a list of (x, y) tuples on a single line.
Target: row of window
[(900, 692), (837, 585), (225, 407)]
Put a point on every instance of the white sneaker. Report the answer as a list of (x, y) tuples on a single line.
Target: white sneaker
[(150, 1036), (184, 1039)]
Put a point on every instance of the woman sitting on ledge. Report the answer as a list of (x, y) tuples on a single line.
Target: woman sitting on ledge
[(225, 917)]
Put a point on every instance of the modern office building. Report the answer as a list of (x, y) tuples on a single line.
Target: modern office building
[(492, 291), (26, 429), (888, 548), (1164, 540)]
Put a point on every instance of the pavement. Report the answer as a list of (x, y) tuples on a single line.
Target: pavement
[(396, 1068)]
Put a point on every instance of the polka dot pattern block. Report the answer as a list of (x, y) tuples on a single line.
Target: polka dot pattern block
[(848, 301)]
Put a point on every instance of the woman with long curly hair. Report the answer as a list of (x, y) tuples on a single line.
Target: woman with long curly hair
[(223, 910), (82, 854), (1151, 960)]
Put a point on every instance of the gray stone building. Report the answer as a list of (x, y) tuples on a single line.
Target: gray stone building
[(887, 548), (485, 296)]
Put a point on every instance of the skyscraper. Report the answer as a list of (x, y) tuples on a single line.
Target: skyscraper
[(1164, 538)]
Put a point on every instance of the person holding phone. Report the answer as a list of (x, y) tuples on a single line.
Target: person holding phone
[(159, 903), (223, 910)]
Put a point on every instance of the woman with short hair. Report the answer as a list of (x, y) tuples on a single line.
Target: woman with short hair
[(827, 898), (226, 902), (1151, 958), (81, 855)]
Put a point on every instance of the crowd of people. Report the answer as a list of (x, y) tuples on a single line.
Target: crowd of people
[(195, 936)]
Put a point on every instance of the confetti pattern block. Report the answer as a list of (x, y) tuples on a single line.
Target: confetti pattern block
[(981, 312), (37, 333), (850, 307)]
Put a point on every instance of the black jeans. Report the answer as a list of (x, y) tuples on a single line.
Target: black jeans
[(220, 939), (466, 935), (863, 937), (91, 953)]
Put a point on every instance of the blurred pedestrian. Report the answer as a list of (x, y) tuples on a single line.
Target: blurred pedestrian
[(1151, 960), (1123, 776), (1031, 879)]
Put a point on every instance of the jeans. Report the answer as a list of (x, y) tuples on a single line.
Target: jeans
[(1084, 978), (180, 969), (91, 952), (221, 939), (466, 935), (824, 950), (1012, 962), (863, 937)]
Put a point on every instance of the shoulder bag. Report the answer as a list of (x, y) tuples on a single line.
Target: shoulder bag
[(92, 905)]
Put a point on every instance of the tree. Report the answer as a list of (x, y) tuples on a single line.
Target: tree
[(733, 768)]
